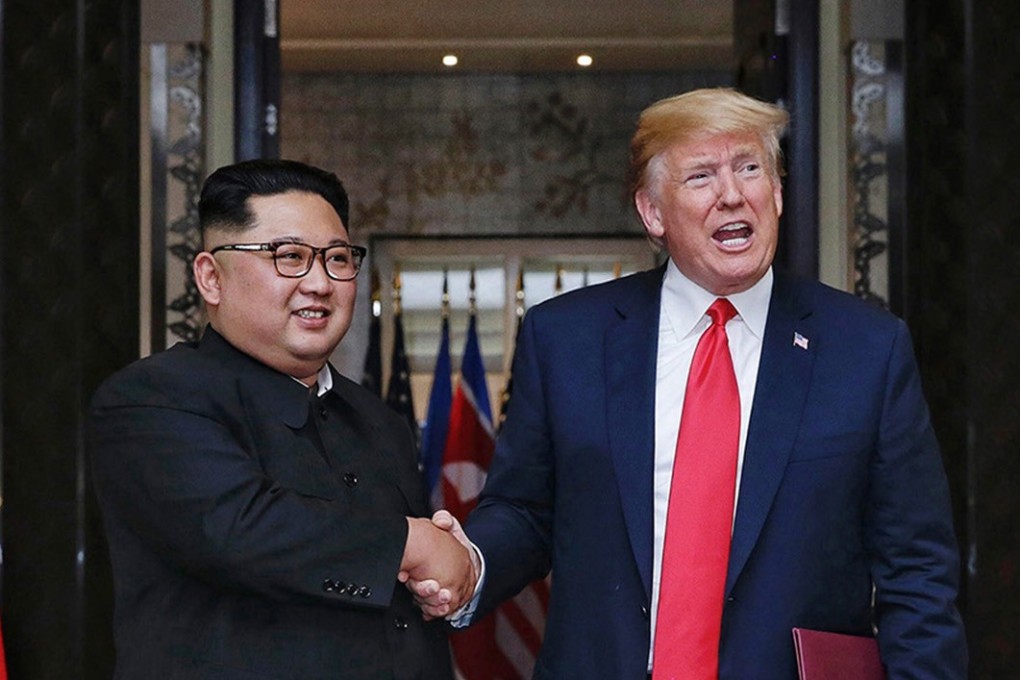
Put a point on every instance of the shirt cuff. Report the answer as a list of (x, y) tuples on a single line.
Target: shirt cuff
[(463, 616)]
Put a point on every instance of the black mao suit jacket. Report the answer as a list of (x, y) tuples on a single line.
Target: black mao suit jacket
[(842, 489), (240, 548)]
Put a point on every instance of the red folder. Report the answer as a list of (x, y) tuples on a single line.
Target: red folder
[(834, 656)]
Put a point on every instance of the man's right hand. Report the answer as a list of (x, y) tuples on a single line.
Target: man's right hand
[(439, 565)]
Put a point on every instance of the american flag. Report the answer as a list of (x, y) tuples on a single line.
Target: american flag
[(3, 659), (398, 393)]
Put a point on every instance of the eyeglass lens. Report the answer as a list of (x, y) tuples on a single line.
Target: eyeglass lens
[(296, 259)]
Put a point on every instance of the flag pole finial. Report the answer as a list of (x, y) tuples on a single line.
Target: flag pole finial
[(445, 304), (376, 288), (472, 299), (519, 294), (396, 289)]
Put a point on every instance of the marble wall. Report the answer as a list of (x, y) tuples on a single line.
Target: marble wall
[(477, 154)]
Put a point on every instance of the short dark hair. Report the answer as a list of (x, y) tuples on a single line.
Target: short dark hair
[(223, 203)]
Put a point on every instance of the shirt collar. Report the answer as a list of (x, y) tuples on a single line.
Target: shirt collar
[(323, 380), (684, 302)]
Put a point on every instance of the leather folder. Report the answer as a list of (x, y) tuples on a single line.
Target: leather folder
[(834, 656)]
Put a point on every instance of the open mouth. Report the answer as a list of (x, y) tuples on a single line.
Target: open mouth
[(733, 235), (312, 313)]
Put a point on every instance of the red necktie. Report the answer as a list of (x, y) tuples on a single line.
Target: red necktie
[(700, 514)]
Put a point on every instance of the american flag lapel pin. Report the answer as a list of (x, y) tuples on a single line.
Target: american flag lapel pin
[(799, 340)]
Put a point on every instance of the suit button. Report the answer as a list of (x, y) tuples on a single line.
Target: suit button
[(399, 623), (731, 599), (351, 479), (364, 591), (644, 611), (331, 586), (322, 412), (352, 589)]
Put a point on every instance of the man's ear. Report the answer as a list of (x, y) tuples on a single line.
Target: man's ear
[(207, 277), (650, 214)]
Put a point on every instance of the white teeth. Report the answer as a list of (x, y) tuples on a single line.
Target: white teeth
[(735, 241), (309, 314), (734, 227)]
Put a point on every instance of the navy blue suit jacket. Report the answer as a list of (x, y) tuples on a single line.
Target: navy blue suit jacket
[(842, 489)]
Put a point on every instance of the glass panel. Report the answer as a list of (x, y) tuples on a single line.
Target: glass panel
[(545, 278), (422, 295)]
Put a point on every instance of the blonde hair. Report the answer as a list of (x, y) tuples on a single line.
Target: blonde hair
[(715, 111)]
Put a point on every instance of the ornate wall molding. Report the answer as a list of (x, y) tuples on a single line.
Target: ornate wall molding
[(869, 171), (178, 168)]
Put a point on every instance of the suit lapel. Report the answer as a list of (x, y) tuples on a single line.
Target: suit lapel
[(630, 358), (784, 377)]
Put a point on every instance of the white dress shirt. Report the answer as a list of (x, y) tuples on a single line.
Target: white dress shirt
[(323, 381), (683, 318)]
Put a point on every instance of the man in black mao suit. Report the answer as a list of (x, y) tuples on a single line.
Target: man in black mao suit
[(260, 508)]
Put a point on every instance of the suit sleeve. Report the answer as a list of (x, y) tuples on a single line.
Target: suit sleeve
[(512, 524), (177, 487), (915, 560)]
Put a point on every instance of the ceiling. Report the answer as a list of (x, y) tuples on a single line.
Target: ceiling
[(392, 36)]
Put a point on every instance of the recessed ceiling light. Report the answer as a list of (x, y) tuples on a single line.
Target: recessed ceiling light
[(450, 60), (584, 60)]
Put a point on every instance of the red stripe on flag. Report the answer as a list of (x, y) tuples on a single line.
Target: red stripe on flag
[(3, 657), (516, 617)]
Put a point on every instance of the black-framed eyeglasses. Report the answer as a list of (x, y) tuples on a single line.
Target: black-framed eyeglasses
[(293, 260)]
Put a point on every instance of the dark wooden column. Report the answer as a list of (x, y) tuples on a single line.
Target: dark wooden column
[(68, 314), (256, 79), (963, 136), (777, 52), (799, 236)]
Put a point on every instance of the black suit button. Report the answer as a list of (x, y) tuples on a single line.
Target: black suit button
[(731, 599), (351, 479), (399, 623), (322, 412), (352, 589), (331, 586), (644, 612), (364, 591)]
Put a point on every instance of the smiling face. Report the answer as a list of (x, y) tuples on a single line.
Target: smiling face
[(289, 324), (714, 202)]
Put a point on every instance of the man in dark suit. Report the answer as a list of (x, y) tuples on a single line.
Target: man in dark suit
[(259, 506), (838, 513)]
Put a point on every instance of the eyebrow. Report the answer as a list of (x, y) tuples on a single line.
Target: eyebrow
[(295, 239), (706, 160)]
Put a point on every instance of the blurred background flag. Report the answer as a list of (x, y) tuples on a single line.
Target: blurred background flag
[(3, 658), (437, 420), (398, 392), (504, 397)]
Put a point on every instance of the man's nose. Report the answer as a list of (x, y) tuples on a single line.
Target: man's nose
[(730, 194), (317, 279)]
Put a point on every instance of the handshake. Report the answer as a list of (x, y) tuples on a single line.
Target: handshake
[(439, 566)]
